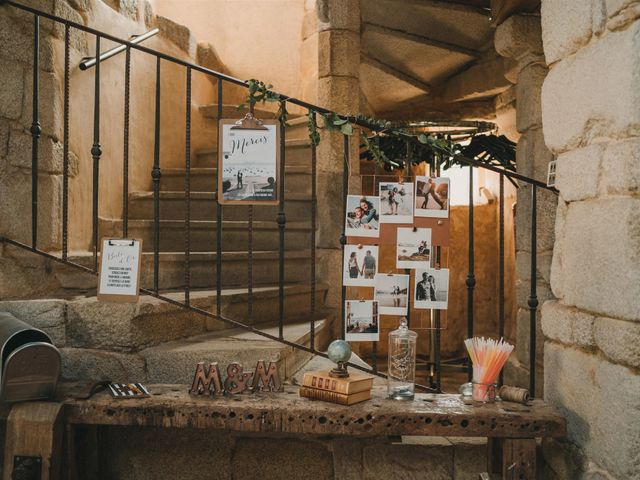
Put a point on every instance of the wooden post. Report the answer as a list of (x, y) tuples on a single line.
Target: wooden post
[(35, 429), (510, 458)]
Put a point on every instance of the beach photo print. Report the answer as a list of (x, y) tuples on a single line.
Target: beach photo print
[(360, 265), (396, 202), (363, 217), (432, 197), (413, 248), (361, 321), (392, 293)]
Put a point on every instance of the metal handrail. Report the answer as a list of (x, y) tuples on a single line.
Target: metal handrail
[(89, 62)]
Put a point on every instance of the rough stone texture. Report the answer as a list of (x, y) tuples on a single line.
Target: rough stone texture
[(566, 26), (528, 90), (338, 15), (47, 315), (207, 57), (599, 72), (582, 185), (12, 92), (296, 459), (336, 51), (407, 462), (51, 158), (519, 37), (620, 173), (178, 34), (611, 289), (87, 364), (23, 275), (584, 394), (614, 7), (543, 264), (619, 340), (532, 154), (567, 324), (149, 15), (545, 221)]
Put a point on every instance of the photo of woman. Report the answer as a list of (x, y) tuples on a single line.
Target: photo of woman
[(431, 289), (396, 202), (360, 265), (432, 197), (362, 216)]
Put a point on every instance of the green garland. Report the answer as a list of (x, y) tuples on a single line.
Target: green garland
[(404, 146)]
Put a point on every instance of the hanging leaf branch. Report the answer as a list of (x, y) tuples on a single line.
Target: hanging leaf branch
[(393, 146)]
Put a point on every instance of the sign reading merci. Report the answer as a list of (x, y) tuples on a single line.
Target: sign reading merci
[(119, 275)]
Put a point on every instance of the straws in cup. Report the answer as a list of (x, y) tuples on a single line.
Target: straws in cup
[(488, 357)]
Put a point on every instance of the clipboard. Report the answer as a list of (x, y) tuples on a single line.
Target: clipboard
[(256, 148), (121, 281)]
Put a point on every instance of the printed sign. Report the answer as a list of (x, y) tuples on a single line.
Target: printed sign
[(249, 163), (119, 277)]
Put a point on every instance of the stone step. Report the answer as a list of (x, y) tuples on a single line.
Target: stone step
[(297, 207), (202, 270), (298, 152), (175, 362), (86, 323), (203, 234), (297, 179)]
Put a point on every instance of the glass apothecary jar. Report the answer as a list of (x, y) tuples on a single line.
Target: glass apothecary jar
[(401, 376)]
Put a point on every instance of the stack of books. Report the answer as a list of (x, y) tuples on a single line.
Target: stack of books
[(320, 385)]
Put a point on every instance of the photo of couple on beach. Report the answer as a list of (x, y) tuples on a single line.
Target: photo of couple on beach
[(396, 202), (413, 248), (392, 293), (431, 288), (361, 321), (360, 265), (432, 197), (363, 218)]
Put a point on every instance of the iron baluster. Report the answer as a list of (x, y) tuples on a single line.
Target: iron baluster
[(437, 334), (187, 192), (343, 237), (250, 264), (314, 206), (155, 176), (501, 285), (471, 278), (65, 148), (125, 153), (282, 221), (219, 218), (35, 131), (96, 152), (533, 297)]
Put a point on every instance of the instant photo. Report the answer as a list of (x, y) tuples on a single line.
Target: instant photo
[(363, 217), (392, 294), (413, 248), (361, 321), (432, 197), (396, 202), (248, 164), (431, 289), (360, 265)]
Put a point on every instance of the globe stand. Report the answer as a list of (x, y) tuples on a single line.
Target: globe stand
[(340, 371)]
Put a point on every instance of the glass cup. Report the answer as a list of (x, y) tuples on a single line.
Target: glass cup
[(484, 392)]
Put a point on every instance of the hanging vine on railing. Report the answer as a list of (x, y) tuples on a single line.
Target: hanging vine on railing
[(392, 145)]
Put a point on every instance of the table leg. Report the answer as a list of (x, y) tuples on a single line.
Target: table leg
[(512, 458)]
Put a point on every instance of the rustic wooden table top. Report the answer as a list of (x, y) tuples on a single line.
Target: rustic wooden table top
[(286, 412)]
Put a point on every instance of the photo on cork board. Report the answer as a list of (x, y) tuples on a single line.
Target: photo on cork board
[(392, 293), (360, 265), (432, 197), (396, 202), (431, 289), (361, 321), (413, 248), (363, 217)]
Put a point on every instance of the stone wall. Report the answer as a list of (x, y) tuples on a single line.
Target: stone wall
[(591, 118), (519, 38)]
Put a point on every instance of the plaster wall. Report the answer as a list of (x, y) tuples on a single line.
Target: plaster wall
[(591, 120)]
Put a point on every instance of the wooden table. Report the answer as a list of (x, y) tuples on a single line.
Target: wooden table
[(512, 428)]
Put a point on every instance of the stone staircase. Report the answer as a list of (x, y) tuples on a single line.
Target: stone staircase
[(158, 342)]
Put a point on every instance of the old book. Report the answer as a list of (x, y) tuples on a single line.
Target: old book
[(354, 383), (334, 397)]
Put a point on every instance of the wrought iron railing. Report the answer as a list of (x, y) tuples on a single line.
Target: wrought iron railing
[(156, 174)]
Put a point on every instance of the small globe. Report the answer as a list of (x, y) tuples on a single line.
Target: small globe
[(339, 351)]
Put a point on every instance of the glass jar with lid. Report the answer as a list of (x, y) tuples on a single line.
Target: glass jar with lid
[(401, 375)]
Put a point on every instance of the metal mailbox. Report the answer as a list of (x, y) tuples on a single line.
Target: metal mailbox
[(30, 362)]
